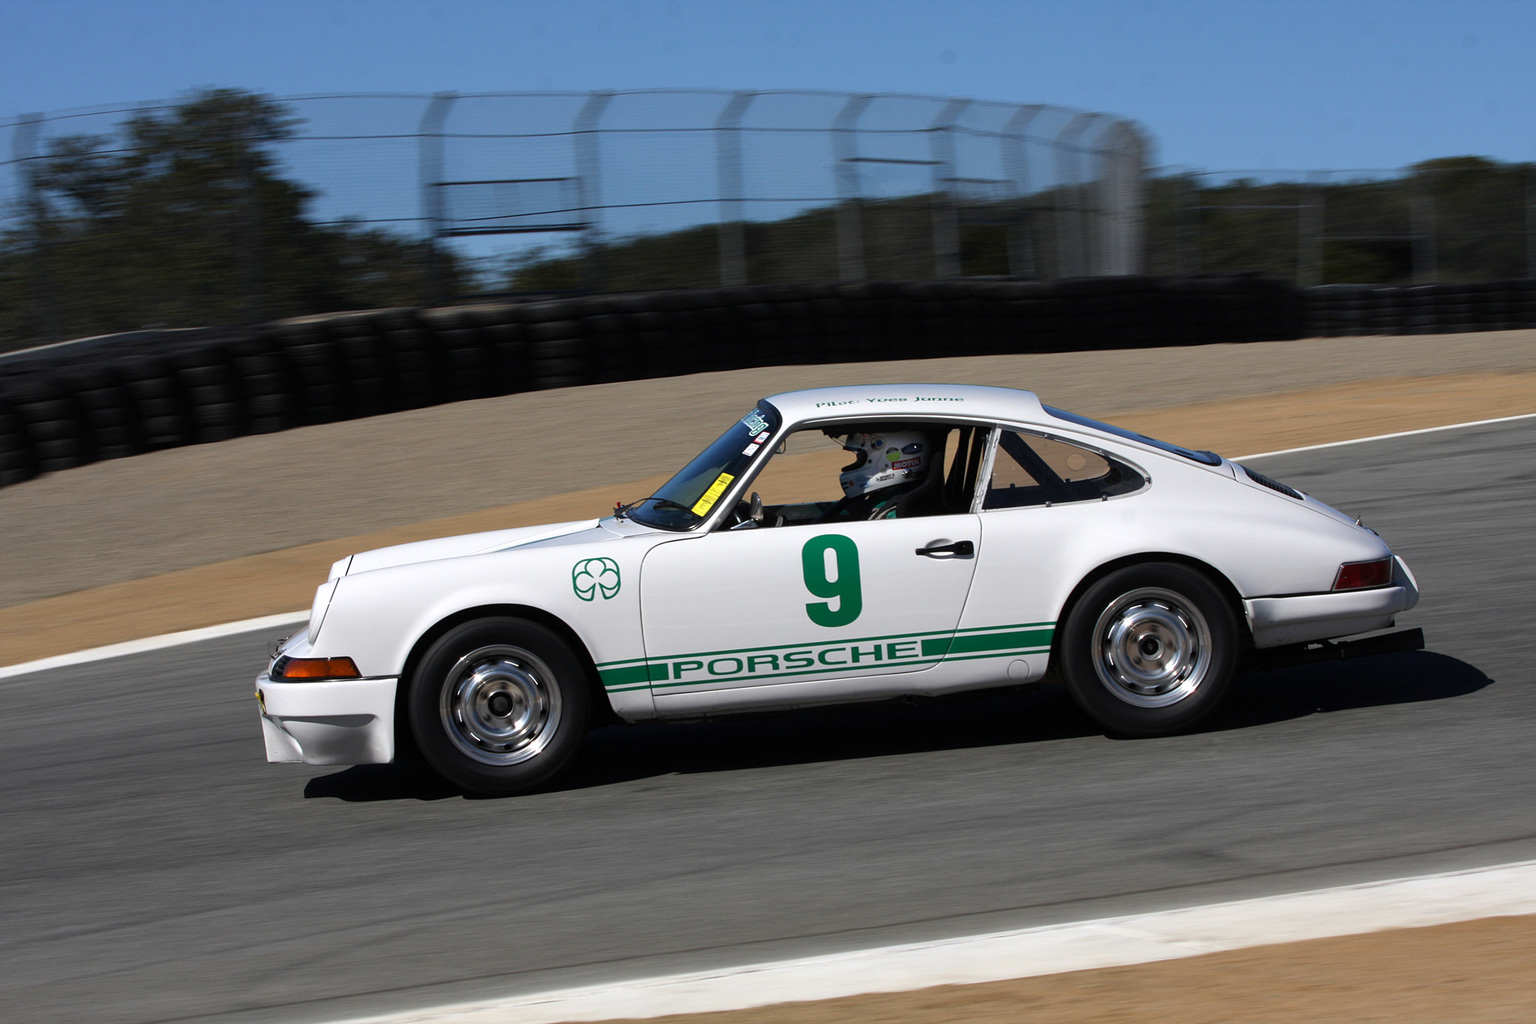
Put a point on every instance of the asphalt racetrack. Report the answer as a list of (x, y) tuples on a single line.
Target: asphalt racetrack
[(156, 869)]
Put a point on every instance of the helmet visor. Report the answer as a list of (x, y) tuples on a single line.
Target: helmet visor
[(860, 459)]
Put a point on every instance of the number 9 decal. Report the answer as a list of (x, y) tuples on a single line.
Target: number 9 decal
[(837, 581)]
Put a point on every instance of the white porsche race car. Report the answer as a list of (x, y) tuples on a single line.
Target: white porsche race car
[(976, 539)]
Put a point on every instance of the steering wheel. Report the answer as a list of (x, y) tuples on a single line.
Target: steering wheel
[(747, 512)]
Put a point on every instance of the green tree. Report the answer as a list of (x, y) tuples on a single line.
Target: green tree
[(184, 219), (1452, 219), (1478, 209)]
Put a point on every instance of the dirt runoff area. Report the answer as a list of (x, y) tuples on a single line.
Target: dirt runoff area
[(211, 534), (1467, 973)]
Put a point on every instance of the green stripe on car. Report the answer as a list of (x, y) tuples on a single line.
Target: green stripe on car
[(780, 661)]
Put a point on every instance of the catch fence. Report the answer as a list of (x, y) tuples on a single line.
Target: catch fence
[(1455, 220), (443, 197), (759, 187)]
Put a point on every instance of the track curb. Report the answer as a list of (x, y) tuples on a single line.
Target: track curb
[(155, 643), (1504, 890)]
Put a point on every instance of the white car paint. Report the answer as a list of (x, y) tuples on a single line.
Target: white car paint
[(712, 620)]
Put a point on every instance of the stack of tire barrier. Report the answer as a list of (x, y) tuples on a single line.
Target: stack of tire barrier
[(105, 398), (1343, 310)]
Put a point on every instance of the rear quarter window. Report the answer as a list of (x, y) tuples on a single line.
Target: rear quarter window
[(1034, 470)]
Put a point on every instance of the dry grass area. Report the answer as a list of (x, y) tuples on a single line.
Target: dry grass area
[(1476, 972), (283, 580), (132, 518)]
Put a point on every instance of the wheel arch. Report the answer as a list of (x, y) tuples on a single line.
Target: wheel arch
[(1217, 578), (405, 743)]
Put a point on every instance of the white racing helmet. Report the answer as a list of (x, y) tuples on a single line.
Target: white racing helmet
[(884, 460)]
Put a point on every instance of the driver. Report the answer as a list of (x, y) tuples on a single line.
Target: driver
[(885, 467)]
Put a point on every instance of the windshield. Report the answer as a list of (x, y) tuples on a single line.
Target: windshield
[(684, 501), (1207, 458)]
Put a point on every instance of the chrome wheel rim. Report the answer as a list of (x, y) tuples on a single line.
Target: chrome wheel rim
[(1152, 648), (500, 705)]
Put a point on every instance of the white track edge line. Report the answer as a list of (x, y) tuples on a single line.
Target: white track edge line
[(1387, 437), (154, 643), (1414, 902), (192, 636)]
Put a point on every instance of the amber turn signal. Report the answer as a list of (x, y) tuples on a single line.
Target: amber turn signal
[(1356, 575), (315, 668)]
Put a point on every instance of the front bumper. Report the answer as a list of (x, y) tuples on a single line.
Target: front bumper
[(1301, 618), (329, 721)]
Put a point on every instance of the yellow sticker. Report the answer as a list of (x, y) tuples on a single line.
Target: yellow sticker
[(707, 502)]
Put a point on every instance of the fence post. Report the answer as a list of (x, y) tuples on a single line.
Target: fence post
[(1530, 222), (430, 135), (252, 278), (1021, 241), (1122, 208), (1186, 213), (850, 225), (1071, 212), (24, 152), (1425, 260), (733, 229), (1309, 233), (589, 185), (946, 221)]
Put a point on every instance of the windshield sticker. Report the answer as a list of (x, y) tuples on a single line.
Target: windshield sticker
[(752, 448), (707, 501), (760, 438), (754, 422)]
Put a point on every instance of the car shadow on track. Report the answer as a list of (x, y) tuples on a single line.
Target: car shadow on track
[(365, 783), (832, 734), (623, 753), (618, 754), (1284, 694)]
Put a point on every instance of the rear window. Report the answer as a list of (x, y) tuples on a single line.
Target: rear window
[(1205, 458)]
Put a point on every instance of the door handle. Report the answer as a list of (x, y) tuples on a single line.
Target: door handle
[(960, 549)]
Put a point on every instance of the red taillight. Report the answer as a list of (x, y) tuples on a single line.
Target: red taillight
[(315, 668), (1355, 575)]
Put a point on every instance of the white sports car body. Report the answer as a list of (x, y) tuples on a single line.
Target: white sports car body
[(1144, 571)]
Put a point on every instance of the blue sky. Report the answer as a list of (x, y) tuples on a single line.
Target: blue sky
[(1239, 84)]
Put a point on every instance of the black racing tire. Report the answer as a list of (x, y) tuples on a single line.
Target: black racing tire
[(1150, 649), (499, 705)]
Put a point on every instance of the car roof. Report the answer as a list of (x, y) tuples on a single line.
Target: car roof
[(902, 401)]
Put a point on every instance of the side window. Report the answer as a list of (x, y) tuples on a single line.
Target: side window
[(1033, 470), (801, 483)]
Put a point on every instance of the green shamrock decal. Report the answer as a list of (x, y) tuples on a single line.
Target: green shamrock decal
[(592, 576)]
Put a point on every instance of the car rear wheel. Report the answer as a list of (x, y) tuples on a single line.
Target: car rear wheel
[(499, 705), (1150, 649)]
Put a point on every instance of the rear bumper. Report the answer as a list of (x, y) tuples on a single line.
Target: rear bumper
[(1276, 621), (333, 721)]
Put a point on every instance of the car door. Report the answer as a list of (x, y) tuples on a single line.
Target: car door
[(813, 605)]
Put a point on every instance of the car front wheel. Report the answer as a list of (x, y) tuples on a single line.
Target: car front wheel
[(499, 705), (1150, 649)]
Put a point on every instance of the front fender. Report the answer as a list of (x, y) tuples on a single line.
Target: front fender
[(376, 618)]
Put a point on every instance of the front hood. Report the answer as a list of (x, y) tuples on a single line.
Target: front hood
[(470, 544)]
